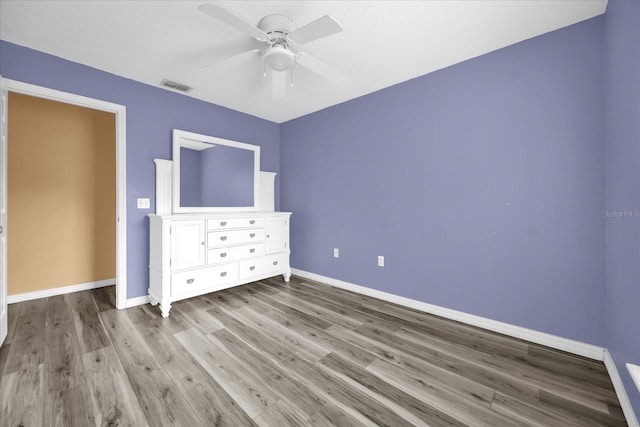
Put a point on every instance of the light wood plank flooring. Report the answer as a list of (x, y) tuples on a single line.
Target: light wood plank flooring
[(276, 354)]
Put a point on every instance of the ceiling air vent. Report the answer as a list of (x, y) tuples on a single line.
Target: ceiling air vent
[(175, 85)]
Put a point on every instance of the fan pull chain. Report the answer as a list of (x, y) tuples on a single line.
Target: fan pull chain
[(291, 77)]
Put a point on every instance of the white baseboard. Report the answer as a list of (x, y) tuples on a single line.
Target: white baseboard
[(542, 338), (132, 302), (27, 296), (618, 386)]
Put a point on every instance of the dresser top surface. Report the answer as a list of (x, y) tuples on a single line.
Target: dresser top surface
[(230, 214)]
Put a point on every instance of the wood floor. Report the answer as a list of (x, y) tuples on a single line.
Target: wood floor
[(275, 354)]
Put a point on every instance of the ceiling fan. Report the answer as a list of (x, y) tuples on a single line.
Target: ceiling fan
[(282, 38)]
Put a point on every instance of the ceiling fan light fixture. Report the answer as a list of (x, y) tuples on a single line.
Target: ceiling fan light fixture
[(279, 58)]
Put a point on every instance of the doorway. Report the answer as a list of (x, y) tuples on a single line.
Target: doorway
[(120, 164), (61, 189)]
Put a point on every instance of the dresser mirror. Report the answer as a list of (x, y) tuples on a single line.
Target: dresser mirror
[(213, 174)]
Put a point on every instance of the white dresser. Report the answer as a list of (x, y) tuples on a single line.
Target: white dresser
[(194, 254)]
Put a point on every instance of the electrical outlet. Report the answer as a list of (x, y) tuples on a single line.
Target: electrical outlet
[(336, 253), (380, 261)]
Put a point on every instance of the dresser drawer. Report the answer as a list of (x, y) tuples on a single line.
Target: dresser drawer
[(232, 253), (210, 277), (264, 265), (225, 223), (234, 237)]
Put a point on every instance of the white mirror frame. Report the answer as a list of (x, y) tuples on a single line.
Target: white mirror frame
[(178, 137)]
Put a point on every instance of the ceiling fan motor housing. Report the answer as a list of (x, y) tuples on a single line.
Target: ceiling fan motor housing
[(277, 26)]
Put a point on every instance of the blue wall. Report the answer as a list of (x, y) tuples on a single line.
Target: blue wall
[(482, 185), (152, 113), (623, 186)]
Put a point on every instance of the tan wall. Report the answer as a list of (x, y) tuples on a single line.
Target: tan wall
[(61, 195)]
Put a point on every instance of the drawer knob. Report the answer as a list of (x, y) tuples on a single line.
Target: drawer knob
[(223, 254), (253, 267), (253, 221), (202, 243), (223, 274), (223, 238), (275, 262), (252, 235), (252, 250), (223, 223), (190, 281), (267, 235)]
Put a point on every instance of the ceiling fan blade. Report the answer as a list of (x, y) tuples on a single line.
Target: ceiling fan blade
[(232, 61), (323, 70), (279, 84), (230, 19), (317, 29)]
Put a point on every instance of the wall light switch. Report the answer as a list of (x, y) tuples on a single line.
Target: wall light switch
[(336, 253), (380, 261), (144, 203)]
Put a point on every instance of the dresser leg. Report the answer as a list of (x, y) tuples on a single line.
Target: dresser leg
[(164, 308), (286, 276), (152, 300)]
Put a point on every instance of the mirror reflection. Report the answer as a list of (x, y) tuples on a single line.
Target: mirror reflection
[(214, 175)]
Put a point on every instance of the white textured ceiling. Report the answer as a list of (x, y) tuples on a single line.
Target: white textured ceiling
[(383, 42)]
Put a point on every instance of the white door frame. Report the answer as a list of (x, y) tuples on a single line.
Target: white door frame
[(121, 167), (4, 314)]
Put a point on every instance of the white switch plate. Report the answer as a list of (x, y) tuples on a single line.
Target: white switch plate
[(380, 261), (336, 253), (144, 203)]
